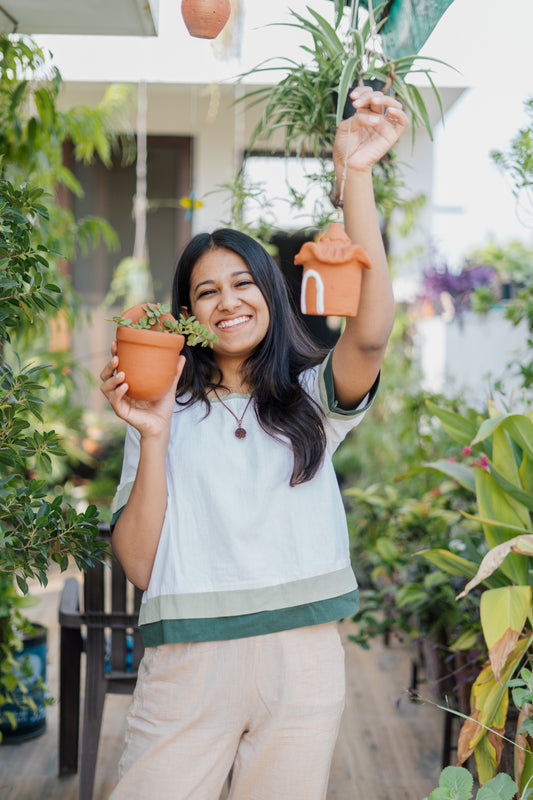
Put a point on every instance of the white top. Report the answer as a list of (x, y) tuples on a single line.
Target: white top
[(237, 540)]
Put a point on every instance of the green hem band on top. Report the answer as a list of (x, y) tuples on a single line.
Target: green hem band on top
[(220, 628)]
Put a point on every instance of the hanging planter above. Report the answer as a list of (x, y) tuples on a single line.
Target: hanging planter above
[(205, 18), (332, 274)]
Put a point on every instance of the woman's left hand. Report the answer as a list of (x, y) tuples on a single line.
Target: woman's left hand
[(377, 125)]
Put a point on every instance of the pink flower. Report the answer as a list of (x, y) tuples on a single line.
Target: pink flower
[(467, 451)]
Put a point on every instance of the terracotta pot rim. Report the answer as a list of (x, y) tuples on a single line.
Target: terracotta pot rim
[(170, 341)]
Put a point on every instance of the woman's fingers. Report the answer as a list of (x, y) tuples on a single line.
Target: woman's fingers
[(114, 388), (368, 96), (376, 102), (150, 418), (113, 383), (373, 108), (109, 369)]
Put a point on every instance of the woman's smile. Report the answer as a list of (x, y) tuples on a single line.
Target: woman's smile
[(230, 324)]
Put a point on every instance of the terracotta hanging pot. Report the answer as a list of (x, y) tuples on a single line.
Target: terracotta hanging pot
[(205, 18), (332, 274), (148, 358)]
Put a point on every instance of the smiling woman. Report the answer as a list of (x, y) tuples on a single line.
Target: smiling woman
[(228, 514)]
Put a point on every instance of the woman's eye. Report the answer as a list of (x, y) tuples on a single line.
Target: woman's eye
[(245, 283), (205, 293)]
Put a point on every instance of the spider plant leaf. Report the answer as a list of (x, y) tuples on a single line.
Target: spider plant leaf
[(420, 106), (347, 78), (339, 11), (358, 43), (328, 36), (405, 60), (437, 95)]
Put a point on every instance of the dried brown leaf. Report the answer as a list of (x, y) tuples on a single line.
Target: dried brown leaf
[(500, 651)]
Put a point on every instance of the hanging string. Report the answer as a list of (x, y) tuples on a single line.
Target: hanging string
[(340, 202), (140, 203)]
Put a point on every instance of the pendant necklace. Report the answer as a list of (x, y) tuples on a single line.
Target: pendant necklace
[(240, 432)]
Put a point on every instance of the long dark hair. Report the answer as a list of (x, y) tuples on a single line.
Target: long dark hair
[(283, 407)]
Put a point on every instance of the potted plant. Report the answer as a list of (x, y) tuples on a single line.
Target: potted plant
[(205, 18), (456, 783), (500, 451), (309, 101), (149, 342), (454, 291), (304, 109), (37, 526)]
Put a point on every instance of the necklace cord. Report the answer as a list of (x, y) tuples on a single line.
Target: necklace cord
[(240, 432)]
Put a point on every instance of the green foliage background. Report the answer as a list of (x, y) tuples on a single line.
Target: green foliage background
[(37, 233)]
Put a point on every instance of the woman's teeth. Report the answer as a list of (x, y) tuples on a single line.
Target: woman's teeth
[(229, 323)]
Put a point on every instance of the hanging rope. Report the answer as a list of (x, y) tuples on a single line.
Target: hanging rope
[(340, 202), (140, 203)]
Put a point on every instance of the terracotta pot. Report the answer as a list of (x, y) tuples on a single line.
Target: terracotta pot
[(205, 18), (332, 274), (148, 358)]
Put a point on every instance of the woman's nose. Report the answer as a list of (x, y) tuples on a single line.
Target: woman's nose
[(228, 300)]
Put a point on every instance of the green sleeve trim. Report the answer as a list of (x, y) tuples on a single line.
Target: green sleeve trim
[(114, 518), (327, 392)]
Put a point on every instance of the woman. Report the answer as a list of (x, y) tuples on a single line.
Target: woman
[(229, 516)]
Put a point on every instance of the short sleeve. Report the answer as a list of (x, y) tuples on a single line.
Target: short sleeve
[(327, 392), (338, 421), (129, 470)]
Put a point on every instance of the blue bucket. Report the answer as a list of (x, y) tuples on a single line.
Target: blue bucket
[(30, 722)]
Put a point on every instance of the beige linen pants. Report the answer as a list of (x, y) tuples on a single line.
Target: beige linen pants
[(267, 707)]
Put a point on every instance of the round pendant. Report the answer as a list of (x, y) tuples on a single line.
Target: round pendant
[(240, 433)]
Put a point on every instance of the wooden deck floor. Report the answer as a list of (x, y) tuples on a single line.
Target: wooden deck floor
[(388, 747)]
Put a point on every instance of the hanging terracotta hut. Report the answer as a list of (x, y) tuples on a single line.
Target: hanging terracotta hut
[(332, 274), (205, 18)]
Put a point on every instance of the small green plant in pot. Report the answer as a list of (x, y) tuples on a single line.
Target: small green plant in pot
[(149, 341)]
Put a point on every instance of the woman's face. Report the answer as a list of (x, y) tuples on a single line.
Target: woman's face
[(226, 299)]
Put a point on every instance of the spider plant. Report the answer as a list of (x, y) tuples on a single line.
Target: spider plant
[(308, 102)]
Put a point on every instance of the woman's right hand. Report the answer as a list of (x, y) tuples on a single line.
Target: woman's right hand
[(151, 419)]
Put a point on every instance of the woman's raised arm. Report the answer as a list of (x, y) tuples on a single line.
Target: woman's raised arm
[(360, 142)]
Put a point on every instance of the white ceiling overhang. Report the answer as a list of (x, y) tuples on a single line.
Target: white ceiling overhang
[(86, 17)]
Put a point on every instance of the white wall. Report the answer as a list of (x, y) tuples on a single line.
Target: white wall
[(468, 354), (204, 112)]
